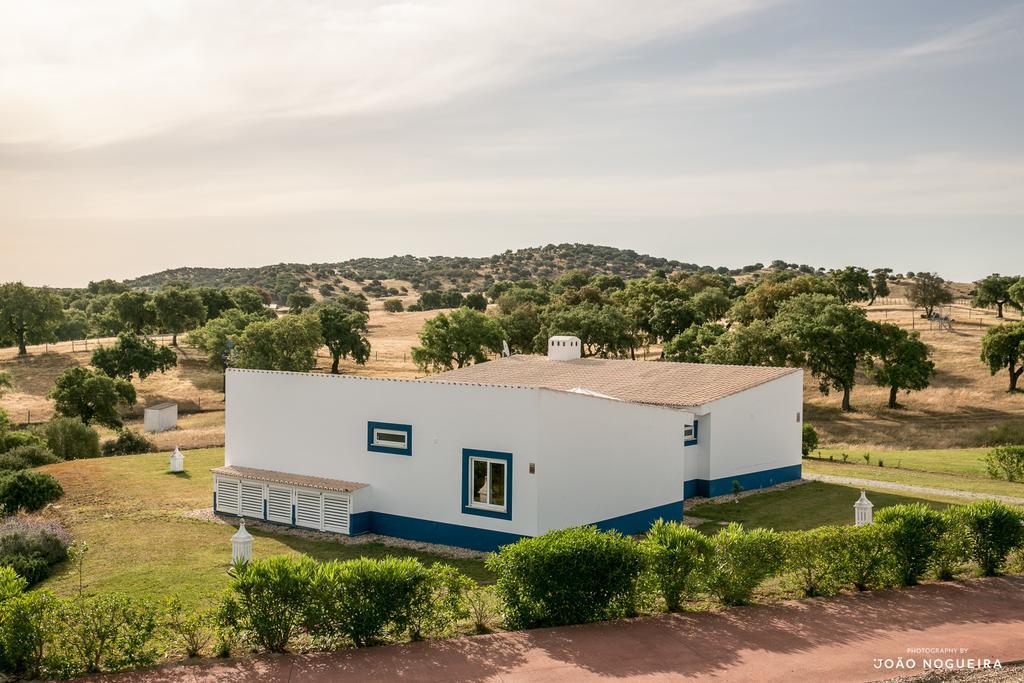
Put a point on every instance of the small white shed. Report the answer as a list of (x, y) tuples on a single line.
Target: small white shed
[(161, 417)]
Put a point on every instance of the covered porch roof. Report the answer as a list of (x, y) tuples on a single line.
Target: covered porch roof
[(301, 480)]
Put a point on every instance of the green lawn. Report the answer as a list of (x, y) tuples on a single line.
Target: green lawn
[(801, 507), (964, 461), (975, 483), (130, 512)]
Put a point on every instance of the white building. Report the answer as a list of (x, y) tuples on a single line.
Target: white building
[(487, 454)]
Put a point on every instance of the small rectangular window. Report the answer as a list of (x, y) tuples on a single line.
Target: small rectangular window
[(385, 437), (691, 433), (388, 437)]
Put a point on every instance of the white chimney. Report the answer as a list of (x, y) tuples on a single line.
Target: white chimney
[(564, 348)]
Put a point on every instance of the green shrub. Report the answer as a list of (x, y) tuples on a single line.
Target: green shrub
[(1006, 462), (364, 600), (107, 632), (393, 306), (569, 576), (268, 600), (11, 583), (27, 490), (20, 437), (191, 629), (69, 438), (951, 548), (816, 559), (439, 602), (913, 532), (992, 530), (27, 631), (809, 439), (740, 560), (674, 553), (26, 457), (128, 442), (32, 568)]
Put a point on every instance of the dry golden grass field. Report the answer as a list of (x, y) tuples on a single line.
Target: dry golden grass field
[(963, 400)]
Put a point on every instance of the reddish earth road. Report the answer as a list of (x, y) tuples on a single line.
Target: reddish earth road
[(833, 639)]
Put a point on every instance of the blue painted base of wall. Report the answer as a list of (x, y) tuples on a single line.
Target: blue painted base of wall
[(750, 482), (639, 522), (426, 531)]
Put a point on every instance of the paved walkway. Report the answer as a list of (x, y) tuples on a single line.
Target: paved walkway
[(895, 486), (833, 639)]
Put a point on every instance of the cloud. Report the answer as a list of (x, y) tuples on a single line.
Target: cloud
[(802, 70), (80, 74)]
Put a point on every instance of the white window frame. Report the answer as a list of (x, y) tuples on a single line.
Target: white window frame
[(688, 431), (473, 502), (390, 444)]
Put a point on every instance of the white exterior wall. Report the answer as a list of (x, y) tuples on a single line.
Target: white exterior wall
[(604, 458), (698, 456), (316, 425), (595, 458), (754, 430)]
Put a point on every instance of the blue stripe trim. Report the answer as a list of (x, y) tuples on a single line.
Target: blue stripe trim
[(427, 531), (468, 509), (639, 522), (750, 482), (370, 426)]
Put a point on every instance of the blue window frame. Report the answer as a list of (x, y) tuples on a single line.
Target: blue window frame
[(389, 437), (691, 439), (487, 483)]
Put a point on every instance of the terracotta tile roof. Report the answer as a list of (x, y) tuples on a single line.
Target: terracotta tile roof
[(680, 385), (288, 479)]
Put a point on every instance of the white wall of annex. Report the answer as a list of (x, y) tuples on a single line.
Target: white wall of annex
[(603, 458), (756, 429), (316, 425)]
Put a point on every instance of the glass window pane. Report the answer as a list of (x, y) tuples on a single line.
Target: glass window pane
[(479, 481), (497, 483), (391, 437)]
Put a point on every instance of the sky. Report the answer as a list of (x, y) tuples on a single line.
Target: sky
[(138, 135)]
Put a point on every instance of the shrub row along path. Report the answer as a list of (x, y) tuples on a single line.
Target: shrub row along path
[(833, 639), (909, 488)]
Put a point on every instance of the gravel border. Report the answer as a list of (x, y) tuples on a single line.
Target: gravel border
[(448, 551)]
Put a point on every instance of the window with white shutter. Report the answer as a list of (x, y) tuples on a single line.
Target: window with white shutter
[(336, 513), (252, 500), (308, 510), (227, 495), (279, 504)]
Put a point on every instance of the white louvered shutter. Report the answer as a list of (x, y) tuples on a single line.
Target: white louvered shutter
[(227, 495), (252, 500), (336, 513), (307, 510), (279, 504)]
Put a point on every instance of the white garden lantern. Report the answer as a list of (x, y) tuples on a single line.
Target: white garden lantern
[(177, 460), (862, 513), (241, 545)]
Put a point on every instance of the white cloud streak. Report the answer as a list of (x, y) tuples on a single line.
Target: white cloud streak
[(86, 73), (803, 69)]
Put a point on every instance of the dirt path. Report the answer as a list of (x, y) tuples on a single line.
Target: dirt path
[(894, 486), (834, 639)]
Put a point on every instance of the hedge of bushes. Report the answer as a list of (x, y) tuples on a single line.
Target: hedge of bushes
[(128, 442), (563, 577), (31, 546)]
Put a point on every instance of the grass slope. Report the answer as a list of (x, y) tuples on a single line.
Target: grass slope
[(130, 512)]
